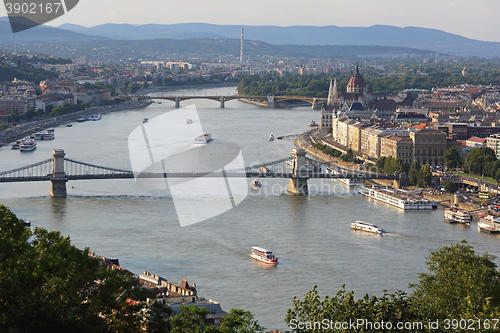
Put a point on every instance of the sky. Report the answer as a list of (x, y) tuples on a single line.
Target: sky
[(477, 19)]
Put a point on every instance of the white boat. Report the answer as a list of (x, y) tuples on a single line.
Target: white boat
[(38, 135), (263, 255), (345, 181), (368, 227), (271, 137), (145, 120), (455, 215), (69, 125), (51, 130), (94, 117), (313, 124), (81, 120), (15, 145), (489, 223), (48, 136), (28, 145), (203, 139), (256, 184), (189, 121), (395, 198)]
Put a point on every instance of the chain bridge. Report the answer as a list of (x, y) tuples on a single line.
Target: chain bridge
[(59, 170)]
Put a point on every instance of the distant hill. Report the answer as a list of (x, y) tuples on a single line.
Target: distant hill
[(208, 49), (40, 34), (378, 35)]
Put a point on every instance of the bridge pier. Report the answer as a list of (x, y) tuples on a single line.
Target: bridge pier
[(222, 102), (59, 179), (270, 102), (177, 102), (315, 105), (298, 182)]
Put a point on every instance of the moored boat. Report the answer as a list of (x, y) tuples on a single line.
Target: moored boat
[(203, 139), (38, 136), (396, 198), (455, 215), (368, 227), (48, 136), (345, 181), (81, 120), (15, 145), (28, 145), (263, 255), (489, 223)]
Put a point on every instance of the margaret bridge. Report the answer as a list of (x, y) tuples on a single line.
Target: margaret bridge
[(59, 170), (269, 101)]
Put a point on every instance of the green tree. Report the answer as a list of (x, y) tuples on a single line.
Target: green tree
[(134, 87), (459, 282), (424, 176), (58, 286), (480, 161), (3, 126), (413, 173), (240, 321), (380, 163), (451, 187), (452, 158)]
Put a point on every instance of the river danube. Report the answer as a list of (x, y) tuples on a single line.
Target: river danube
[(311, 235)]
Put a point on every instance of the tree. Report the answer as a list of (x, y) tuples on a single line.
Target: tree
[(452, 158), (380, 163), (413, 173), (459, 282), (3, 126), (424, 176), (480, 160), (58, 286), (240, 321), (451, 187)]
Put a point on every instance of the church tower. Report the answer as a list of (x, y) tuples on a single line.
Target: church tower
[(333, 97)]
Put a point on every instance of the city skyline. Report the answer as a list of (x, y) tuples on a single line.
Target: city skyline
[(476, 22)]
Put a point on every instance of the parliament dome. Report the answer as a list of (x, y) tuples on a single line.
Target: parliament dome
[(356, 81)]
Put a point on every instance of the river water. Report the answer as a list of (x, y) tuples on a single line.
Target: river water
[(311, 235)]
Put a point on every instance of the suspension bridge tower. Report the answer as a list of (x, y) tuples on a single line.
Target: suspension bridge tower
[(298, 182), (58, 179)]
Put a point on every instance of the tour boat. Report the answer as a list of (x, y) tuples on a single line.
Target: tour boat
[(368, 227), (263, 255), (38, 135), (256, 184), (51, 130), (15, 145), (395, 198), (489, 223), (271, 137), (28, 145), (94, 117), (345, 181), (189, 121), (203, 139), (455, 215), (81, 120), (48, 136)]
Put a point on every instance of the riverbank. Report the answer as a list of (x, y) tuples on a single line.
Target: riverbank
[(26, 129), (185, 87)]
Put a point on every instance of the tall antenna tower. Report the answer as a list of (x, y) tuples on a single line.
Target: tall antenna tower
[(241, 52)]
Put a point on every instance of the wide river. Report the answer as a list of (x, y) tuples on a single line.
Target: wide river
[(311, 235)]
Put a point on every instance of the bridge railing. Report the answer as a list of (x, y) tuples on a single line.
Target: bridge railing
[(39, 169)]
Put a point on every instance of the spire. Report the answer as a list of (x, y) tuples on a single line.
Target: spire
[(330, 94), (357, 69)]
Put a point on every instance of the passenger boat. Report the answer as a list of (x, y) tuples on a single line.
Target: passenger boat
[(368, 227), (189, 121), (145, 120), (38, 135), (263, 255), (203, 139), (271, 137), (50, 130), (395, 198), (69, 125), (256, 184), (48, 136), (489, 223), (28, 145), (15, 145), (81, 120), (345, 181), (94, 117), (455, 215)]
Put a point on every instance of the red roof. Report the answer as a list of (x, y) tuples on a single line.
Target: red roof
[(478, 140)]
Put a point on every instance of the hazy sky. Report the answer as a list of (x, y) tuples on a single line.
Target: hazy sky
[(478, 19)]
